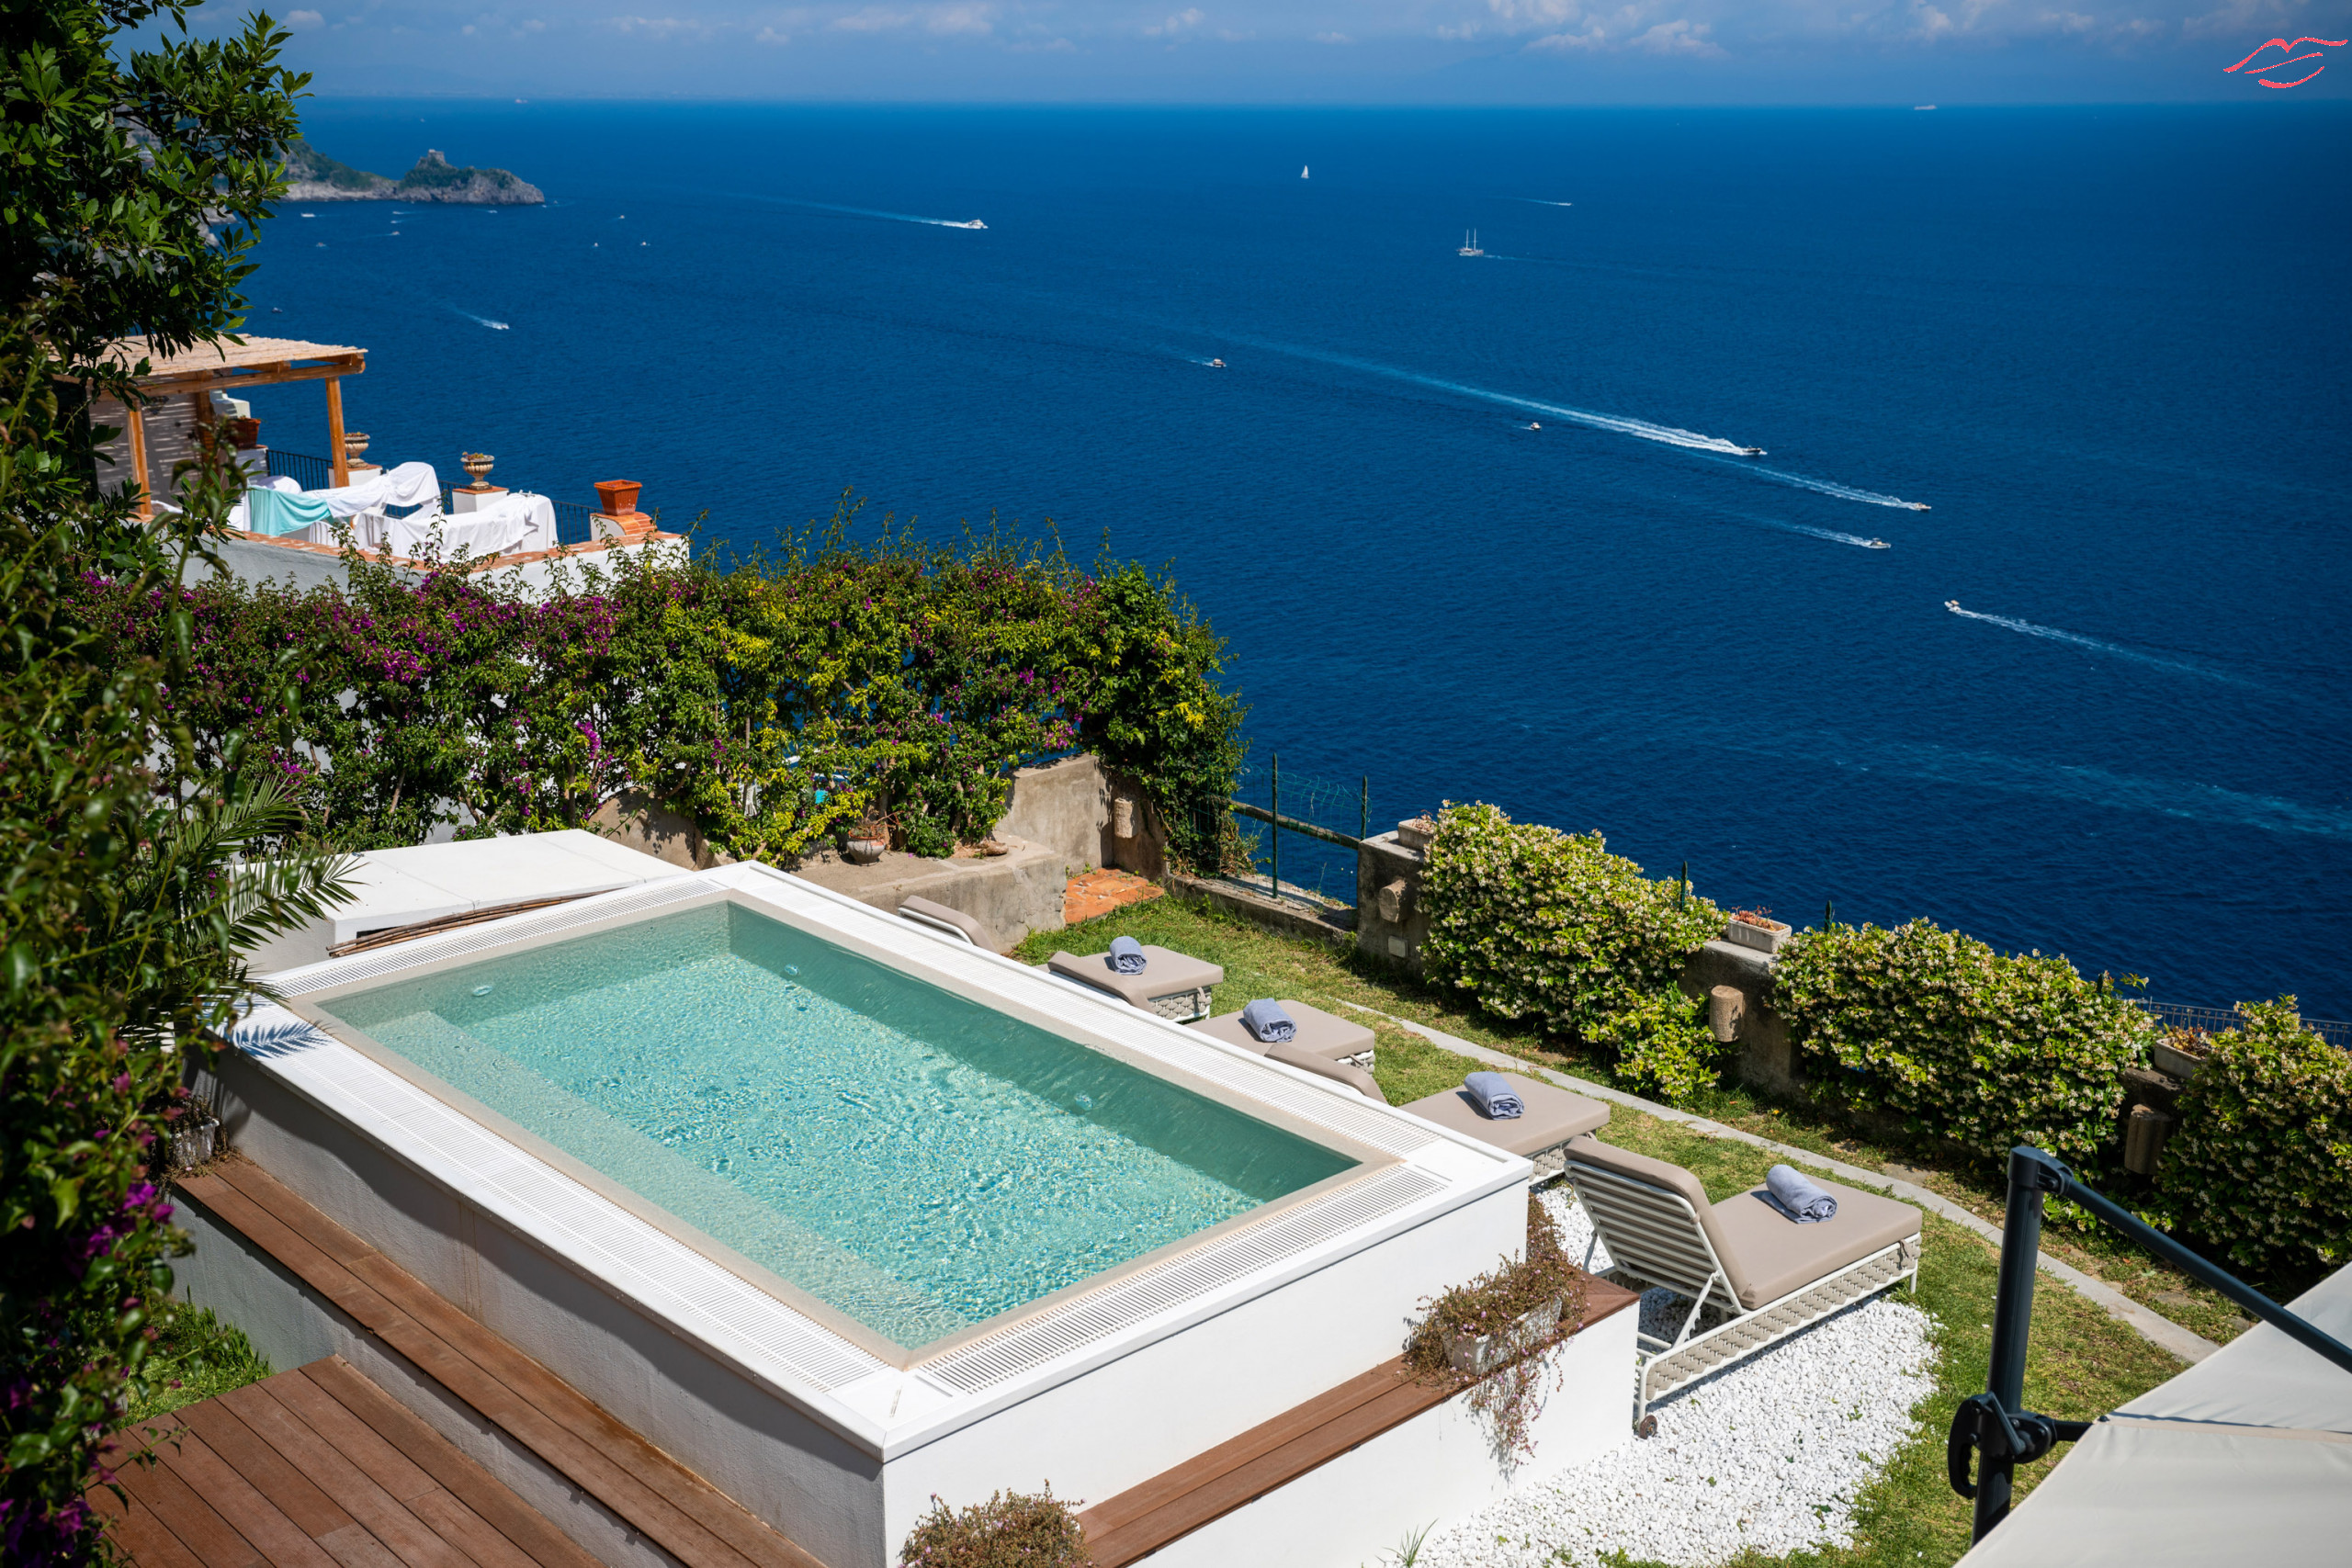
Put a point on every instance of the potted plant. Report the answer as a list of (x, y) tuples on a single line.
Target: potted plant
[(1478, 1354), (197, 1138), (2178, 1053), (868, 838), (1756, 928), (245, 433), (617, 498), (1416, 833), (1488, 1337)]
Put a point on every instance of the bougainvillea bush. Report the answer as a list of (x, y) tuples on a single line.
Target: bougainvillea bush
[(2259, 1164), (1550, 927), (772, 702), (1984, 1049)]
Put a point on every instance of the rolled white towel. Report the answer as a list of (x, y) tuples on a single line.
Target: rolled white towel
[(1797, 1198)]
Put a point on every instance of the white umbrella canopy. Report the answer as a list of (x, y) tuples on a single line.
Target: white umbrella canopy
[(2246, 1457)]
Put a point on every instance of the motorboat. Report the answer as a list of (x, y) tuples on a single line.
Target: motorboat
[(1751, 451), (1470, 244), (1534, 425), (1952, 603), (1919, 506), (1878, 545), (1217, 364), (975, 223)]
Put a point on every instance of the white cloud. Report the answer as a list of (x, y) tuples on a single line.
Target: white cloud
[(303, 21), (1333, 38), (770, 36), (659, 26), (1178, 23)]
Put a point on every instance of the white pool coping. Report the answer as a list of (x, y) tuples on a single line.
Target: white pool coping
[(883, 1408)]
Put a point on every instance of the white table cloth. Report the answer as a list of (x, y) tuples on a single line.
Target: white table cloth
[(515, 523)]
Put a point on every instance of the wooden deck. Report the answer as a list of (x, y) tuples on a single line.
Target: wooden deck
[(534, 1409), (316, 1467), (1175, 1503)]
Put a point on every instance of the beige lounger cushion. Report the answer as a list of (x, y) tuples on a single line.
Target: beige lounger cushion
[(1356, 1079), (1333, 1038), (1767, 1255), (1164, 971), (981, 934), (1553, 1117), (1764, 1254)]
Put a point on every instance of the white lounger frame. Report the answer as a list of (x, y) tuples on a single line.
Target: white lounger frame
[(945, 928), (1654, 1236)]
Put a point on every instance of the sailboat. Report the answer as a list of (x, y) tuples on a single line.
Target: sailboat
[(1470, 244), (1302, 174)]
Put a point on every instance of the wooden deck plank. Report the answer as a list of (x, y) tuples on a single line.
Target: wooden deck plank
[(372, 1508), (671, 1504), (353, 1439), (134, 1527), (210, 1539), (280, 1540), (464, 1479), (352, 1547), (270, 1472), (283, 1242), (470, 1532)]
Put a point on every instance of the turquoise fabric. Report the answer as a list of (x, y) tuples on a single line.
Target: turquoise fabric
[(277, 511)]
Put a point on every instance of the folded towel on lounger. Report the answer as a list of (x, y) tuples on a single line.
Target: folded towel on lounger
[(1267, 1023), (1798, 1199), (1492, 1093), (1126, 955)]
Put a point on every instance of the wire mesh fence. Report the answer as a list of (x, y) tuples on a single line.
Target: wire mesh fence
[(2214, 1020)]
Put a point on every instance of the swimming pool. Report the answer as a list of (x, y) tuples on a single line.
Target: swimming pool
[(908, 1157)]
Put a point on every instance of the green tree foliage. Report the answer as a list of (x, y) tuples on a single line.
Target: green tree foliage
[(1980, 1048), (2259, 1165), (119, 910), (773, 703)]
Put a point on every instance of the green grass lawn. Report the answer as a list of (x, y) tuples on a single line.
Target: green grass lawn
[(2082, 1361), (197, 1356)]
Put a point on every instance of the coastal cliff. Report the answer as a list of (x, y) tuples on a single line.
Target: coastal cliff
[(311, 175)]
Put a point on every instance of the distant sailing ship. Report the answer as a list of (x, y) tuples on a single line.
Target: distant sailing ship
[(1470, 244), (1302, 171)]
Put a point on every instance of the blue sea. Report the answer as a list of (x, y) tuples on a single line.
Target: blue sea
[(2108, 347)]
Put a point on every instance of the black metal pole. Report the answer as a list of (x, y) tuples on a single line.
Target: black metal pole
[(2012, 1321), (1363, 811), (1274, 827)]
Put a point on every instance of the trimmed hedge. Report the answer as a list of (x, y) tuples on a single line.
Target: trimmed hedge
[(1984, 1049), (2259, 1164), (1550, 927)]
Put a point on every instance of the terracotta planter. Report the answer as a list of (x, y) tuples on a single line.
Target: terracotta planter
[(1483, 1354), (245, 433), (617, 498)]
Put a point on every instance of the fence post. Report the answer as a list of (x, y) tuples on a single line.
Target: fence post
[(1682, 886), (1274, 827), (1363, 811)]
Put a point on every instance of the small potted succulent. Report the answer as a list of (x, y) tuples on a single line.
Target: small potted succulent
[(867, 839), (1756, 928), (1416, 833)]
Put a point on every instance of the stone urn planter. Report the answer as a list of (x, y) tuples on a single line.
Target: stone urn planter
[(1757, 930), (1482, 1354), (617, 498), (866, 843), (355, 446), (1416, 833), (477, 465)]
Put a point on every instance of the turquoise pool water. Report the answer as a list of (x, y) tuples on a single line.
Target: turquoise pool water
[(911, 1158)]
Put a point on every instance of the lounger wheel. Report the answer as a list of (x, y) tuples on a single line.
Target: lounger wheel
[(1646, 1427)]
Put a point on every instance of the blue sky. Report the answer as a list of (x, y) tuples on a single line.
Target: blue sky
[(1692, 51)]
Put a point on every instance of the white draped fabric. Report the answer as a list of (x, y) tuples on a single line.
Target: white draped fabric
[(515, 522), (411, 484)]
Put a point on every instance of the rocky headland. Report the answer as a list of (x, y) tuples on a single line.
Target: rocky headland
[(311, 175)]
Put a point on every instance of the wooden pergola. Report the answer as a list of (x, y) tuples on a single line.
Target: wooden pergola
[(200, 372)]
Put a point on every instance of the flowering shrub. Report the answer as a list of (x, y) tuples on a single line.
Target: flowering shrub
[(1663, 1044), (1551, 927), (2259, 1164), (1011, 1529), (1967, 1044), (773, 703)]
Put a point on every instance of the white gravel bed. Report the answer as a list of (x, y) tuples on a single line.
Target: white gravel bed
[(1768, 1455)]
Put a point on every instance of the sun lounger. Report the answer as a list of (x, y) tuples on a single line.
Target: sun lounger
[(1554, 1120), (1174, 987), (947, 921), (1290, 1054), (1332, 1038), (1764, 1276)]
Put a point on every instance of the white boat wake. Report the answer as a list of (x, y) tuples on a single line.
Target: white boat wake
[(1844, 492), (485, 321), (1539, 201), (2095, 645), (869, 212)]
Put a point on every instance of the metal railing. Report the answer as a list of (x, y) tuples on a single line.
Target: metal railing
[(2214, 1020), (1994, 1425), (310, 472)]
